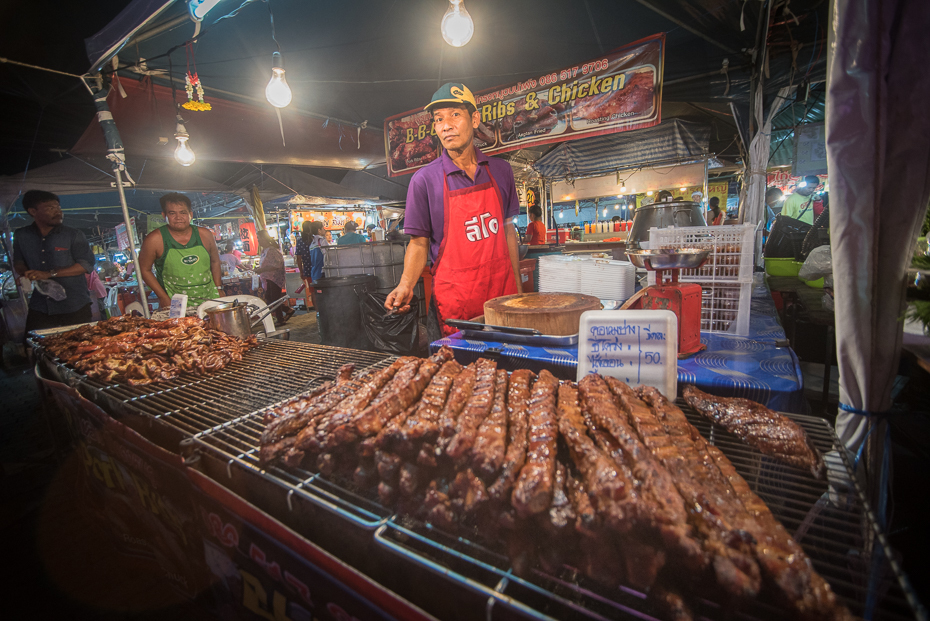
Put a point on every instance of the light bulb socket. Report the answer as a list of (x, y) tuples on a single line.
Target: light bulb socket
[(277, 61)]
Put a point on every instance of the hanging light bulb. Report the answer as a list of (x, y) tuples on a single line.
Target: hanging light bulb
[(183, 154), (457, 26), (649, 193), (605, 211), (617, 206), (278, 93), (683, 189), (623, 190), (562, 213)]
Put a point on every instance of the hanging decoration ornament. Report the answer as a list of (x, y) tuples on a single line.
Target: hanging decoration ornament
[(193, 85)]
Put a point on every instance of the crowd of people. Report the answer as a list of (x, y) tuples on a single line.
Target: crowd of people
[(67, 285)]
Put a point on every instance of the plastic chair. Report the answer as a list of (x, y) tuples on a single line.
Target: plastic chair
[(251, 300), (134, 307)]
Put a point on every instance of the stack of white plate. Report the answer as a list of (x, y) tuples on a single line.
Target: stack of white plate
[(603, 278), (607, 279), (558, 273)]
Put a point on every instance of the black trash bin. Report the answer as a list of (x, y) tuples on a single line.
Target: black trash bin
[(340, 317)]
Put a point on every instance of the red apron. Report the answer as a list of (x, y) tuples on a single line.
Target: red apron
[(473, 265)]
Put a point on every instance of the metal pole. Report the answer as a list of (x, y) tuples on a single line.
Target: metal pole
[(132, 242), (707, 186), (277, 219)]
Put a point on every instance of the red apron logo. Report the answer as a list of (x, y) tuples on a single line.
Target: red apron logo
[(190, 259), (476, 232), (57, 249)]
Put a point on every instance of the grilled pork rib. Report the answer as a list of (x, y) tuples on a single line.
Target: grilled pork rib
[(760, 427)]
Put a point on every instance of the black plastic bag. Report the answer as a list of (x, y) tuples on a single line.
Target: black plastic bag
[(786, 238), (395, 333)]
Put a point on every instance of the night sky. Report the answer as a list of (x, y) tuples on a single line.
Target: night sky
[(44, 111)]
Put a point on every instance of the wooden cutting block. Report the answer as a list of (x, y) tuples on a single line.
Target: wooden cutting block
[(556, 314)]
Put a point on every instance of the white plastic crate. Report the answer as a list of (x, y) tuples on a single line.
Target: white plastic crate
[(731, 250), (725, 307)]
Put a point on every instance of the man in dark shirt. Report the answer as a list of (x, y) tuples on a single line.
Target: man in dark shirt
[(46, 249)]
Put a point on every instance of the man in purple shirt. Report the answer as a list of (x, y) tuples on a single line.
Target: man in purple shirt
[(459, 214)]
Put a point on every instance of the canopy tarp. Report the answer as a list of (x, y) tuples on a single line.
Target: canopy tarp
[(367, 60), (230, 132), (92, 175), (672, 141), (284, 184)]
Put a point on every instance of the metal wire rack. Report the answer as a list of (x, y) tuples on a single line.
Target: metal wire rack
[(270, 373), (831, 521)]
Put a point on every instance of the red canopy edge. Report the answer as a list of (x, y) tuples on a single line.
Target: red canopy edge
[(230, 132)]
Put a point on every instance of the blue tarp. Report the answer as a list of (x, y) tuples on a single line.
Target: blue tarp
[(674, 140)]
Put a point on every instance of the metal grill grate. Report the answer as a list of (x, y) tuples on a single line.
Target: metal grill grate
[(267, 374), (838, 536)]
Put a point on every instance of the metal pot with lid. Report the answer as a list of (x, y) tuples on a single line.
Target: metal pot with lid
[(661, 216)]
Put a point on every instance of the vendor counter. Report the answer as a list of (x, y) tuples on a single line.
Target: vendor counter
[(759, 366)]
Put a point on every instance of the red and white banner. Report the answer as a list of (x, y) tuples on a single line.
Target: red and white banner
[(617, 92)]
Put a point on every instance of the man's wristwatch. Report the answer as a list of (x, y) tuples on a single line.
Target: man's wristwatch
[(53, 273)]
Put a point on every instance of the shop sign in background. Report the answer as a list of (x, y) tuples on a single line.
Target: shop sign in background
[(123, 240), (616, 92)]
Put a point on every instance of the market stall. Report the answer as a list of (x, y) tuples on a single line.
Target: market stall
[(213, 456), (188, 463)]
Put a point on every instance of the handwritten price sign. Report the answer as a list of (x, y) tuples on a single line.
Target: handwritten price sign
[(634, 346)]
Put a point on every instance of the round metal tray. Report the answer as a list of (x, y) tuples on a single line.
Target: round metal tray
[(682, 258)]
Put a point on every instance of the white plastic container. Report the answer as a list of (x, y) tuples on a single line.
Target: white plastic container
[(730, 246), (725, 307)]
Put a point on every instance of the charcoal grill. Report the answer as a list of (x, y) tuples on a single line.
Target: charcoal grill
[(841, 537)]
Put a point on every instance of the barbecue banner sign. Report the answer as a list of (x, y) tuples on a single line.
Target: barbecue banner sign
[(260, 569), (616, 92), (139, 491)]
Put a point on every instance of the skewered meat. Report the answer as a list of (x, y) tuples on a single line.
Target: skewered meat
[(462, 387), (517, 398), (585, 516), (760, 427), (488, 452), (783, 561), (532, 492), (422, 423), (403, 392), (141, 351), (642, 499), (333, 431), (561, 513), (712, 512), (476, 410)]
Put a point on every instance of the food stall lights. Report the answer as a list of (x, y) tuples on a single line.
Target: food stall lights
[(278, 93), (200, 8), (183, 154), (562, 213), (649, 193), (623, 190), (605, 211), (617, 206), (683, 189), (457, 26)]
